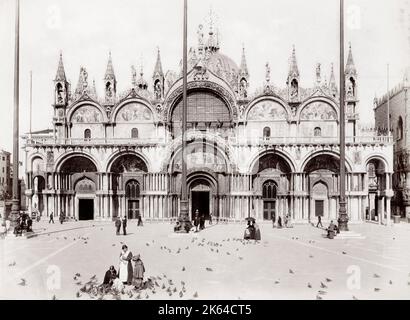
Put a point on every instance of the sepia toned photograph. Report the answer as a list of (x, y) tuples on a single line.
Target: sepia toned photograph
[(204, 150)]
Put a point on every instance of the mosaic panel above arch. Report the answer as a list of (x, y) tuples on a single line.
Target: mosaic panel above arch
[(267, 110), (87, 114), (318, 110), (133, 112)]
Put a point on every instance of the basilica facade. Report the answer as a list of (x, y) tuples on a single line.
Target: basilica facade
[(267, 153)]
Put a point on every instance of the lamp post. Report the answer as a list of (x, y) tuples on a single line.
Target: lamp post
[(15, 207), (343, 217), (184, 221)]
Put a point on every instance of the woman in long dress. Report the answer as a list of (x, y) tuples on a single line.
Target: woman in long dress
[(125, 269), (139, 270)]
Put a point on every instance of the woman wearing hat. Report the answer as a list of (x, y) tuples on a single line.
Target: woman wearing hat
[(125, 269)]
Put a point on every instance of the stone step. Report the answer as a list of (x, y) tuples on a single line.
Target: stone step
[(349, 235)]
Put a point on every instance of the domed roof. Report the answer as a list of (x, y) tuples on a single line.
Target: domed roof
[(223, 66)]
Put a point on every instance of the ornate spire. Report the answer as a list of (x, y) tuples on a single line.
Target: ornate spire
[(318, 74), (158, 66), (293, 66), (141, 83), (332, 82), (213, 41), (243, 70), (60, 76), (109, 73), (350, 67)]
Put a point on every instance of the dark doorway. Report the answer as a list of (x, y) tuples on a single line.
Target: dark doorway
[(200, 201), (133, 209), (269, 210), (85, 209), (319, 205)]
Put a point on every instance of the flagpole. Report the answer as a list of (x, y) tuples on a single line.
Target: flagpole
[(388, 100), (185, 222), (343, 217), (31, 100), (15, 207)]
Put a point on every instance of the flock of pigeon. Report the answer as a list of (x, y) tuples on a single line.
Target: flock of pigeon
[(92, 288)]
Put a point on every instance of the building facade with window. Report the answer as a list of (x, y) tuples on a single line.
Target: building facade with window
[(397, 102), (5, 175), (267, 153)]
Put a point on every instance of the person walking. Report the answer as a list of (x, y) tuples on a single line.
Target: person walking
[(139, 270), (319, 221), (210, 218), (118, 225), (124, 225), (125, 269), (51, 218), (202, 222), (273, 220), (140, 224)]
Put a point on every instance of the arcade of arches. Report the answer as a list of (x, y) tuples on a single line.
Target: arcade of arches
[(271, 189)]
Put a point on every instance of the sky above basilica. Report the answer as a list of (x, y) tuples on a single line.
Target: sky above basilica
[(85, 31)]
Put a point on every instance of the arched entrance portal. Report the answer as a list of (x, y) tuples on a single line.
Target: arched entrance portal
[(269, 200), (85, 191), (132, 193), (200, 193)]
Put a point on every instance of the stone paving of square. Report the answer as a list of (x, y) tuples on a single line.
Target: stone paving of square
[(292, 263)]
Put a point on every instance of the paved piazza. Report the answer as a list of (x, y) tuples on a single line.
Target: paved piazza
[(213, 264)]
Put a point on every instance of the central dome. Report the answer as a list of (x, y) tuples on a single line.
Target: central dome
[(223, 66)]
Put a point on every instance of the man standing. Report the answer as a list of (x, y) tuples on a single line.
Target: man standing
[(319, 221), (118, 225), (62, 217), (124, 226), (273, 220), (210, 218), (51, 218)]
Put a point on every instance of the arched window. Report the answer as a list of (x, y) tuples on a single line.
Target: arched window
[(400, 129), (134, 133), (266, 132), (317, 132), (132, 190), (269, 190), (87, 134)]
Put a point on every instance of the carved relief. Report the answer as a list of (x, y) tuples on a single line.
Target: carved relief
[(134, 112), (318, 111), (87, 114), (267, 110)]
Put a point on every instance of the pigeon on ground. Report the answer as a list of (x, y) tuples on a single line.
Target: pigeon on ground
[(318, 297), (147, 244), (310, 256), (309, 285), (78, 283), (322, 285), (321, 292), (12, 264), (183, 268), (343, 252), (78, 275), (23, 282), (54, 297), (354, 298), (277, 282), (376, 289), (138, 296), (163, 286), (78, 294), (181, 294), (228, 253), (328, 280), (175, 290), (291, 271), (113, 244), (156, 283), (209, 269), (240, 258), (93, 277), (376, 275), (390, 282), (183, 283), (196, 294)]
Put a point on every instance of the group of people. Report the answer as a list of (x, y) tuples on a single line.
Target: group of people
[(23, 223), (280, 224), (199, 220), (127, 274), (332, 230), (252, 231), (123, 222), (61, 217)]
